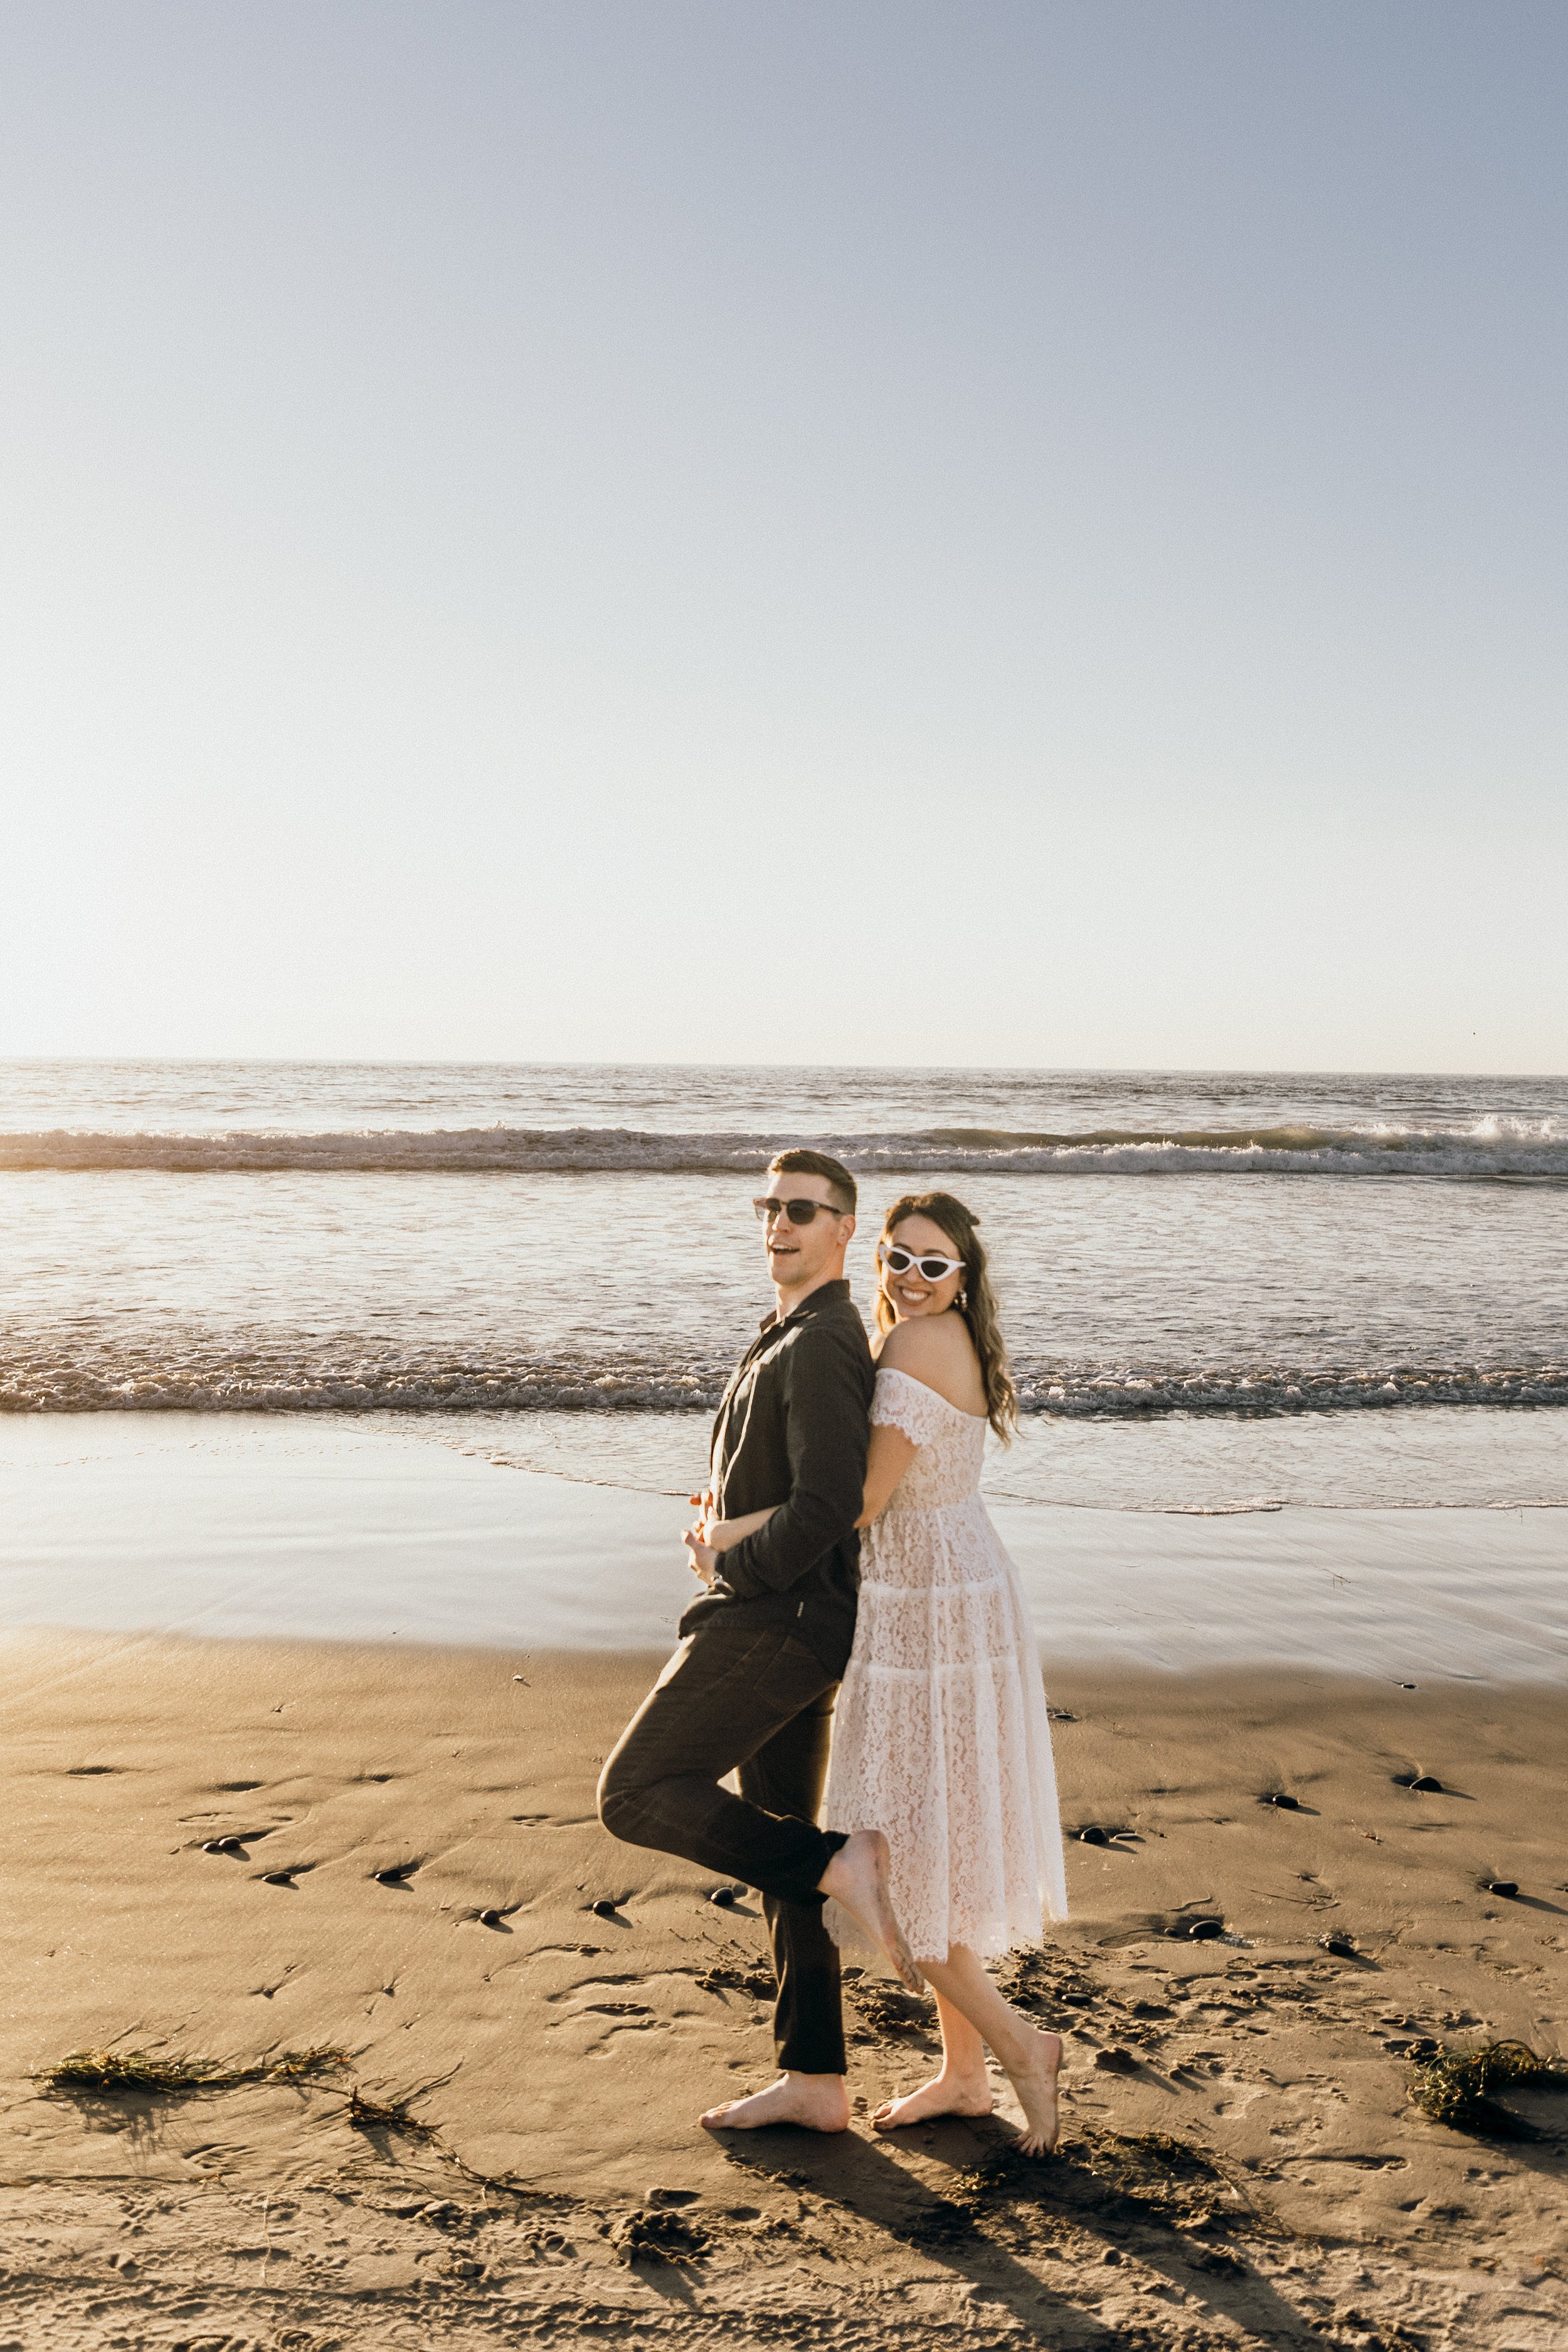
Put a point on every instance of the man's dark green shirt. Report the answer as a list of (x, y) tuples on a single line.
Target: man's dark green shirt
[(793, 1429)]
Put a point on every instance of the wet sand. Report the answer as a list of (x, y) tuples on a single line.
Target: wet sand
[(431, 1529), (1241, 2164)]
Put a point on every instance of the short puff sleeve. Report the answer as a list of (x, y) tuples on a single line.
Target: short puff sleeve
[(901, 1403)]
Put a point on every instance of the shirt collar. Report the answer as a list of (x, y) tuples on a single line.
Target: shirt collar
[(819, 1298)]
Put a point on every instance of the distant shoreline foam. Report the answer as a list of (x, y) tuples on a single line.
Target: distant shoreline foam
[(1492, 1148)]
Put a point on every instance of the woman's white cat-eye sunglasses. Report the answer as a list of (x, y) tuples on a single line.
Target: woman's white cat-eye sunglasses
[(932, 1268)]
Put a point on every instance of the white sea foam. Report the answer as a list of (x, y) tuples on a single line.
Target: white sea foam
[(352, 1261), (1492, 1147), (66, 1373)]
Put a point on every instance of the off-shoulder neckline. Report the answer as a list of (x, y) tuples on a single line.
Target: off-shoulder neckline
[(892, 1372)]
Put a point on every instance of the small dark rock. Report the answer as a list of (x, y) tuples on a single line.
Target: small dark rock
[(1341, 1946), (277, 1878), (1112, 2255), (1286, 1804), (405, 1870), (491, 1918), (724, 1896), (1425, 1784), (1206, 1931), (1502, 1887), (605, 1908), (1092, 1836)]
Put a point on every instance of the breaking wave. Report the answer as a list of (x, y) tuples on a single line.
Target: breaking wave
[(1493, 1148)]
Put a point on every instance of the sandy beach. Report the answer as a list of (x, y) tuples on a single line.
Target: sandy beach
[(777, 770), (1242, 2162)]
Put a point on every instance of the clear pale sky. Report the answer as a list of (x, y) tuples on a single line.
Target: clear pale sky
[(984, 533)]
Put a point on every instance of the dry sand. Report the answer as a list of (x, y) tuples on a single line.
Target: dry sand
[(1248, 2169)]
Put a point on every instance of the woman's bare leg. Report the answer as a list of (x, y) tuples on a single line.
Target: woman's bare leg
[(1028, 2057), (963, 2087)]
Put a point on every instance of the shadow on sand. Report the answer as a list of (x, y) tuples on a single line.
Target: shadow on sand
[(1151, 2199)]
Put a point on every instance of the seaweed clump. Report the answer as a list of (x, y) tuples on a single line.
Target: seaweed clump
[(144, 2070), (374, 2114), (393, 2117), (1456, 2087)]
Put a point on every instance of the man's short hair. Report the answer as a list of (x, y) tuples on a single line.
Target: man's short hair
[(820, 1163)]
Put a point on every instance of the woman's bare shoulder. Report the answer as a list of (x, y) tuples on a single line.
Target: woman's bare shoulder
[(937, 1350), (927, 1336)]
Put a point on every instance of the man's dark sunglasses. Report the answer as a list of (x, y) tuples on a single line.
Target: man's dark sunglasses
[(799, 1213)]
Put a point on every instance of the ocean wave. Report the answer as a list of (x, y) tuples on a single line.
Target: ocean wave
[(201, 1377), (1492, 1147)]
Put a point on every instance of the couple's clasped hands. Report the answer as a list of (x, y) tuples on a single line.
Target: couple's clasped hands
[(709, 1538)]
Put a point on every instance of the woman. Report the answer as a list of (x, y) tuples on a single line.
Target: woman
[(940, 1736)]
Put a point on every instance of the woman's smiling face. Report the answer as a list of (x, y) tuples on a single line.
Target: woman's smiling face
[(909, 1293)]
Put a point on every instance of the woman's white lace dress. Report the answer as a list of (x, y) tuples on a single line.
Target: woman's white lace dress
[(941, 1737)]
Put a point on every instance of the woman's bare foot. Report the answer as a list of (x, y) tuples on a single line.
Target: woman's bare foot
[(818, 2102), (944, 2095), (1036, 2090), (858, 1877)]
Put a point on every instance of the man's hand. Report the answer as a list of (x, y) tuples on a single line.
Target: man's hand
[(703, 1505)]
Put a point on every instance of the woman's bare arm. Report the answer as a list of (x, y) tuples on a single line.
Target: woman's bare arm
[(889, 1457), (724, 1534)]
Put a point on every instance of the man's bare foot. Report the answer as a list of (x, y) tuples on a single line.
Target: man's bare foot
[(858, 1877), (944, 2095), (1036, 2091), (818, 2102)]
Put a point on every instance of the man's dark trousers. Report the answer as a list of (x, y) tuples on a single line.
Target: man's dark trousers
[(752, 1697)]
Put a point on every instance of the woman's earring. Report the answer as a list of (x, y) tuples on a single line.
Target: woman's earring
[(963, 1298)]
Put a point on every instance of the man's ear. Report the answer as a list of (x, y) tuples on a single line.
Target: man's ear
[(849, 1221)]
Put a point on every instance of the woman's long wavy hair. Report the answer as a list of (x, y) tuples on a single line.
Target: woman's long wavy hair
[(979, 1300)]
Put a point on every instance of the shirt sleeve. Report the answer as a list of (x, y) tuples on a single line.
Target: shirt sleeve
[(828, 1395)]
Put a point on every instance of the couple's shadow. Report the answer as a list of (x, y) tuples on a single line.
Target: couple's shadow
[(862, 2177)]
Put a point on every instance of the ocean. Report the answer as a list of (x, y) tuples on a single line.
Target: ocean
[(356, 1237), (1292, 1350)]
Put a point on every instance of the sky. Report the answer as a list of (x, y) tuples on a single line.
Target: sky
[(696, 529)]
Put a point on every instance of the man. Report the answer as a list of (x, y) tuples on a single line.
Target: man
[(762, 1651)]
